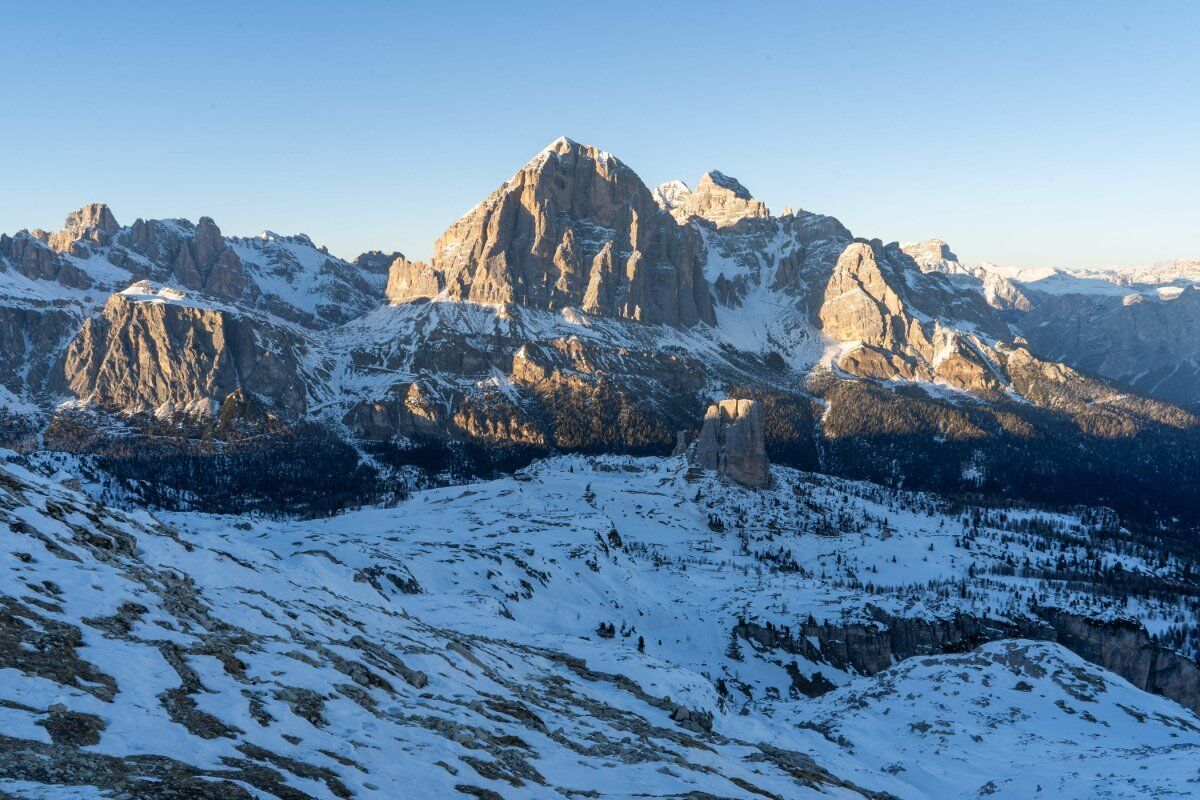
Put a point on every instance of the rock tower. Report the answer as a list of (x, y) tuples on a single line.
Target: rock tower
[(731, 443)]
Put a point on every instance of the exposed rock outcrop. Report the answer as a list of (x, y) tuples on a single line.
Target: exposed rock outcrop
[(731, 443), (197, 257), (574, 228), (34, 259), (717, 198), (30, 339), (377, 261), (94, 224), (151, 349), (868, 648), (418, 410), (934, 255), (868, 307)]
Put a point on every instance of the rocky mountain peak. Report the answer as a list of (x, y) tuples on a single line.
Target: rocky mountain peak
[(720, 179), (717, 198), (567, 154), (94, 223), (871, 306), (574, 228), (670, 194), (208, 237), (562, 144), (377, 261), (934, 255), (93, 216)]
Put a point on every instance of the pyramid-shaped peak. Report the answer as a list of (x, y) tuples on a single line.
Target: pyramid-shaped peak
[(671, 194), (562, 144), (717, 198), (565, 147), (574, 228), (720, 179)]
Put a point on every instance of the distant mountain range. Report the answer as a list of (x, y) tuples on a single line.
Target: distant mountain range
[(625, 493), (576, 309)]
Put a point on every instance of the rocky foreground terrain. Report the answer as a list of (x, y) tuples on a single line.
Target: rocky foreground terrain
[(626, 492)]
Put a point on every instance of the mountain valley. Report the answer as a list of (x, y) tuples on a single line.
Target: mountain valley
[(628, 491)]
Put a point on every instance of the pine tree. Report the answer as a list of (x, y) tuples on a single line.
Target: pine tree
[(734, 650)]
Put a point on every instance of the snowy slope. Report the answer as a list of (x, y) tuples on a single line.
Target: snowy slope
[(1118, 281), (1012, 719), (453, 646), (138, 657), (678, 581)]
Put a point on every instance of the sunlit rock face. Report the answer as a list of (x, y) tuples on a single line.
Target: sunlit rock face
[(717, 199), (150, 349), (573, 228), (870, 305)]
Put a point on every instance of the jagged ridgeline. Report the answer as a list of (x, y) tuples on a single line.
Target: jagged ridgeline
[(577, 310)]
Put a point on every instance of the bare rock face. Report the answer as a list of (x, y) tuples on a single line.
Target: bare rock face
[(30, 340), (574, 228), (33, 258), (412, 280), (92, 224), (867, 305), (197, 257), (934, 255), (718, 199), (142, 355), (731, 442), (1125, 647), (377, 261)]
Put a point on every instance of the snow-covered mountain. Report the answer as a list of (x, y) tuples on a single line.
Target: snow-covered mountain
[(281, 525), (96, 310), (574, 309), (1134, 326), (604, 627)]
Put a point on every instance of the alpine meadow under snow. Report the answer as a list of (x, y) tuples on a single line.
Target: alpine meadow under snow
[(626, 492)]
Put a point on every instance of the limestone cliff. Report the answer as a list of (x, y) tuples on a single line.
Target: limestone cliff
[(717, 198), (870, 305), (151, 350), (32, 258), (731, 442), (867, 648), (94, 224), (574, 228)]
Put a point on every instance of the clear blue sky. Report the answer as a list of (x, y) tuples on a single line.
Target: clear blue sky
[(1023, 133)]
